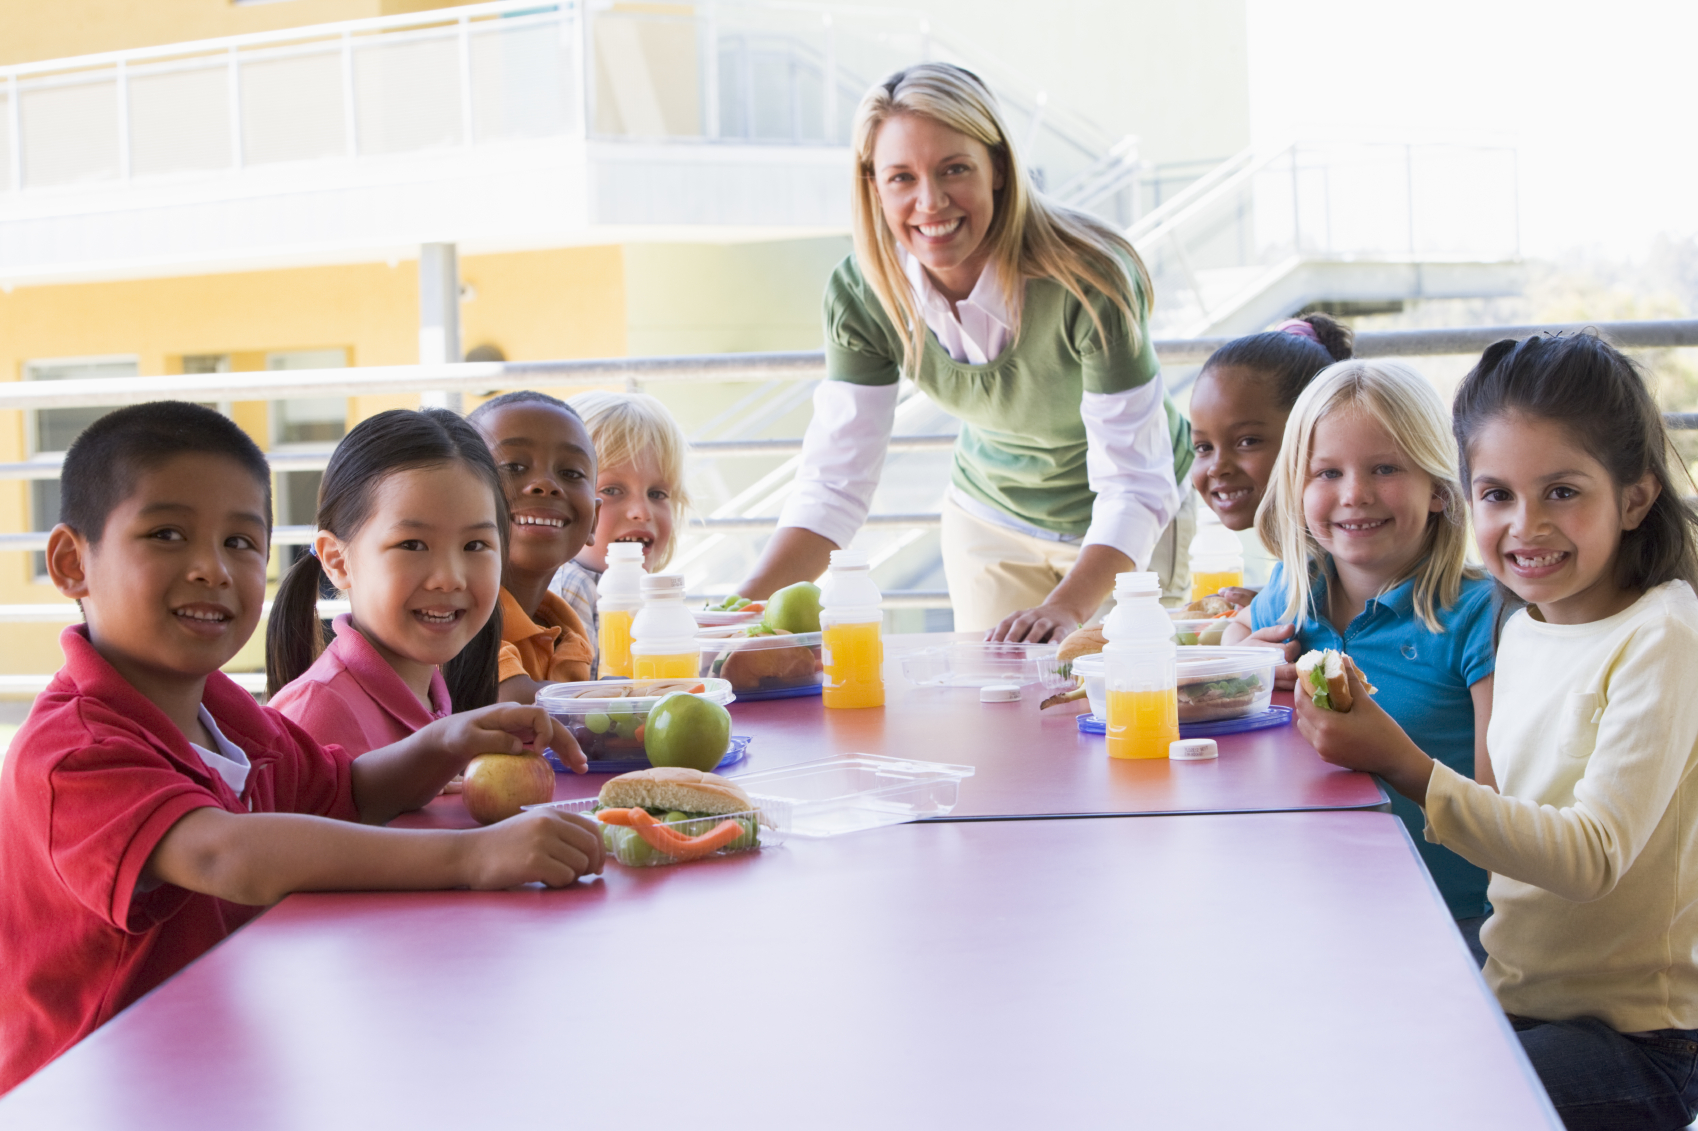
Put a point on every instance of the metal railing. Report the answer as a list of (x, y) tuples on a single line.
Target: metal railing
[(1220, 242), (731, 71), (794, 366)]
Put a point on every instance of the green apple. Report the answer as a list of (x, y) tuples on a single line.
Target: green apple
[(795, 608), (687, 730)]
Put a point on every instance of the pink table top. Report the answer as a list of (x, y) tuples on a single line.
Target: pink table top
[(1029, 763), (1289, 970)]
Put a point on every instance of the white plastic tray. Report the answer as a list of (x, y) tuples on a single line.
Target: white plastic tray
[(847, 793)]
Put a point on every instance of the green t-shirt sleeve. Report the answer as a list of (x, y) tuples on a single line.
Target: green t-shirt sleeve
[(861, 345), (1115, 358)]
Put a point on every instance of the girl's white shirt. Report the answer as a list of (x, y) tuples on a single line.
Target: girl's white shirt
[(1128, 453), (1593, 841)]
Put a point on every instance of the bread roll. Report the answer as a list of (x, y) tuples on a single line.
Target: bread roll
[(1081, 642), (674, 787)]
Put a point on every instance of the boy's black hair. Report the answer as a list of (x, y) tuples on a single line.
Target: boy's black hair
[(1592, 389), (523, 396), (1287, 361), (101, 469)]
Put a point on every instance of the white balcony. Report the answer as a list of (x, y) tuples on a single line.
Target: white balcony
[(496, 126)]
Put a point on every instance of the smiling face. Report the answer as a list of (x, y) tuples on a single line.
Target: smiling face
[(937, 189), (1549, 519), (174, 587), (1235, 431), (636, 506), (1365, 501), (547, 464), (424, 572)]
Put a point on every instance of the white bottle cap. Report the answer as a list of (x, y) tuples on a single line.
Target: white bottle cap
[(849, 559), (662, 584), (1193, 750), (999, 693), (1135, 583), (624, 552)]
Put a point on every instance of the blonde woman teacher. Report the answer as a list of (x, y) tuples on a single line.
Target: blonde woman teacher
[(1028, 322)]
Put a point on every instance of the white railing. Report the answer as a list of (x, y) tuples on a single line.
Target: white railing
[(483, 74), (1217, 243)]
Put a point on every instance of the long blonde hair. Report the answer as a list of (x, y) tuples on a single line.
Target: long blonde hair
[(625, 427), (1407, 406), (1029, 236)]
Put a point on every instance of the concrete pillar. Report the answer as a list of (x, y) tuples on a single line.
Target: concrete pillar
[(439, 315)]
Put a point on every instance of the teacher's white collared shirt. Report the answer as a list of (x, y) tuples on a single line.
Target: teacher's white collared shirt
[(1129, 458)]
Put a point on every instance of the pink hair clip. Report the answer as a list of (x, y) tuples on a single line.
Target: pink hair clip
[(1299, 327)]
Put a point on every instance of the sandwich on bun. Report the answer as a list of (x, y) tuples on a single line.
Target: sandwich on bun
[(1323, 676), (670, 813)]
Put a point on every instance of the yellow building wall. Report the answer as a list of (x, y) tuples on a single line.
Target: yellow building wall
[(37, 29), (536, 305)]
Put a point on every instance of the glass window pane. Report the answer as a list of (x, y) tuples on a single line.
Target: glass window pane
[(55, 428), (308, 420)]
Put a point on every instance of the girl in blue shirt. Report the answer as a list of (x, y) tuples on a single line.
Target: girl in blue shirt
[(1366, 515)]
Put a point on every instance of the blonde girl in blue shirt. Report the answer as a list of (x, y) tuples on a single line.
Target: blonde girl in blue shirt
[(1364, 509)]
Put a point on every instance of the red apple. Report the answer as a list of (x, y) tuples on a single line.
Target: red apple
[(498, 785)]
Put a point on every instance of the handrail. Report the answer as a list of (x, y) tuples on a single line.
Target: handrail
[(801, 365)]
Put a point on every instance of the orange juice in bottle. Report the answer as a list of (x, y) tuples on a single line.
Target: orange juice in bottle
[(1217, 559), (619, 595), (663, 634), (853, 656), (1142, 724), (851, 623), (1140, 671)]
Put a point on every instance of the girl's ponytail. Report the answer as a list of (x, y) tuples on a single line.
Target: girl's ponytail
[(293, 636), (472, 675)]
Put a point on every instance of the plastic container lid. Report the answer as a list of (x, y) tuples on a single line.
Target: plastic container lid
[(663, 584), (1193, 750), (850, 792), (849, 559), (1136, 583), (999, 693), (982, 663), (625, 552), (582, 698), (1197, 662)]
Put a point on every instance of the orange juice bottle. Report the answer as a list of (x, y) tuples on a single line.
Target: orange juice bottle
[(851, 621), (619, 595), (663, 634), (1217, 559), (1140, 671), (1142, 724)]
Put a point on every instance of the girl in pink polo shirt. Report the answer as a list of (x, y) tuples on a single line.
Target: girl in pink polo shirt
[(412, 528)]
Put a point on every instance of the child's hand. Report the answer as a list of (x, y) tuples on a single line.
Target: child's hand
[(1285, 675), (542, 846), (1365, 738), (1239, 596), (510, 728)]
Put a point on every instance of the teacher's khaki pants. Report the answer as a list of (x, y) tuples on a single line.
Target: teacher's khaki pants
[(993, 571)]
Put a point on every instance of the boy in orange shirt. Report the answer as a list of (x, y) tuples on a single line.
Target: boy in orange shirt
[(547, 464)]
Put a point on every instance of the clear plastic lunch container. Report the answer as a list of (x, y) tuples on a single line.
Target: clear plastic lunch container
[(1195, 630), (851, 792), (606, 716), (764, 667), (763, 827), (979, 663), (1214, 683)]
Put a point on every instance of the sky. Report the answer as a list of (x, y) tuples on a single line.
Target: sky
[(1599, 99)]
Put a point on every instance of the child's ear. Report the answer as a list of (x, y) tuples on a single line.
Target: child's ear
[(595, 521), (332, 558), (67, 561), (1636, 500), (1436, 504)]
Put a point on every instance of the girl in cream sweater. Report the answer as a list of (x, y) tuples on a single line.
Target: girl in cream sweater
[(1592, 842)]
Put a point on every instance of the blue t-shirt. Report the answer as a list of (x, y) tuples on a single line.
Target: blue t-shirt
[(1423, 679)]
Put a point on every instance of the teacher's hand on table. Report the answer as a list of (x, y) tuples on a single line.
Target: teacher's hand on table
[(1365, 738), (1035, 626)]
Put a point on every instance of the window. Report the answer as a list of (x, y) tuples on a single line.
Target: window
[(304, 422), (51, 430)]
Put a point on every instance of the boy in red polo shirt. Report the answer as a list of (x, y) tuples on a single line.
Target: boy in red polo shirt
[(149, 806)]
